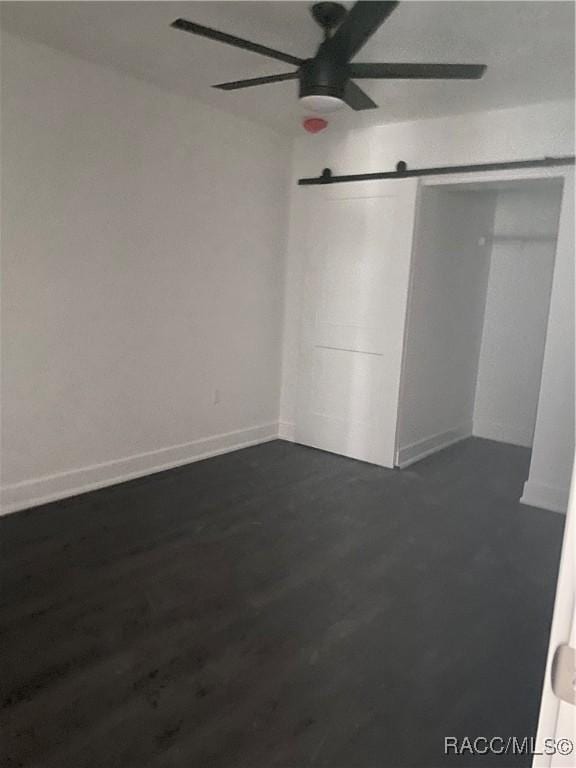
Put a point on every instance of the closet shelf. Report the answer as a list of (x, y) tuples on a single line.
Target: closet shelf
[(524, 238)]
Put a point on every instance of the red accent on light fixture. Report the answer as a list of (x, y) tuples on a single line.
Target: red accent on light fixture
[(314, 124)]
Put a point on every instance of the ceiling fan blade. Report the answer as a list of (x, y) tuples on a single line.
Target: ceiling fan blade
[(238, 42), (236, 84), (355, 97), (417, 71), (362, 21)]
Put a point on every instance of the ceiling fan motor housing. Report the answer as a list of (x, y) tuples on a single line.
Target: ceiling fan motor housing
[(323, 76)]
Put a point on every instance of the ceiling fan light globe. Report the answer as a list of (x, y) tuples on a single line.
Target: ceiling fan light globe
[(321, 103)]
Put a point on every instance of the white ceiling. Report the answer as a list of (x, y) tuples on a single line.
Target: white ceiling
[(528, 47)]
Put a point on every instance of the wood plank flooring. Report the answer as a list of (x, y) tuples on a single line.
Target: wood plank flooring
[(278, 606)]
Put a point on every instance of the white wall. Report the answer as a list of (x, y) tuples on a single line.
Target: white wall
[(509, 134), (450, 265), (516, 315), (142, 254)]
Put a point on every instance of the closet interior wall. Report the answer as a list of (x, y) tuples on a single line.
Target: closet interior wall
[(516, 315)]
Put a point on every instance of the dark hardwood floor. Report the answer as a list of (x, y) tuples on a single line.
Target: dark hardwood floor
[(278, 606)]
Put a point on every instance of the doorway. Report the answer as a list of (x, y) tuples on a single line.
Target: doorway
[(477, 317)]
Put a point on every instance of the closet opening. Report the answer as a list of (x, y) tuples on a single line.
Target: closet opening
[(479, 302)]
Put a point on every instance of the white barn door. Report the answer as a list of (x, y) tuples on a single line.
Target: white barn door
[(358, 247)]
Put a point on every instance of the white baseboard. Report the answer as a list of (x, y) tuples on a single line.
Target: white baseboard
[(42, 490), (287, 431), (503, 433), (545, 496), (413, 452)]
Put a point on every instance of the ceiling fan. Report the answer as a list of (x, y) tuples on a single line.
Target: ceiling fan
[(326, 80)]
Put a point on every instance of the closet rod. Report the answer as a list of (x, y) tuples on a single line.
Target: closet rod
[(403, 172)]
